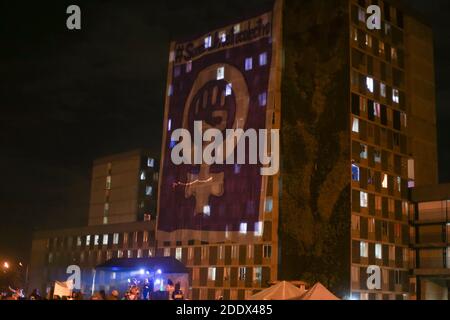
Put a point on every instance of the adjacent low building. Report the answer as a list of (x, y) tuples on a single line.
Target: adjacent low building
[(122, 218), (431, 242)]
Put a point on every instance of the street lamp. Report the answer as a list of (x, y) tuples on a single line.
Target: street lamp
[(6, 265)]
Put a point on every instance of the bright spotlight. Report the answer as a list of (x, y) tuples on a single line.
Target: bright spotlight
[(159, 271), (142, 271)]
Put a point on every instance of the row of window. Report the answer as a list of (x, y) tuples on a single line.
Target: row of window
[(371, 227), (377, 252), (379, 113), (244, 273), (390, 13), (384, 137), (369, 85), (102, 256), (99, 240), (250, 252)]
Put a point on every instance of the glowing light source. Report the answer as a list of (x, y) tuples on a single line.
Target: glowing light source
[(142, 271), (159, 271)]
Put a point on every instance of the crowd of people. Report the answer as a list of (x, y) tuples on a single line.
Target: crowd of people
[(134, 292)]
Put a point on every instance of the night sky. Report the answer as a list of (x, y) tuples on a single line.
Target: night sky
[(68, 97)]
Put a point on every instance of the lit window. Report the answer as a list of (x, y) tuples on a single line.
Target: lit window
[(105, 220), (243, 228), (355, 34), (258, 229), (248, 64), (263, 59), (108, 182), (220, 73), (395, 96), (170, 90), (237, 28), (383, 90), (257, 274), (242, 273), (361, 15), (166, 252), (267, 251), (355, 127), (364, 151), (150, 163), (364, 249), (371, 225), (179, 254), (79, 241), (262, 99), (355, 172), (221, 252), (129, 254), (385, 181), (105, 239), (377, 156), (109, 256), (269, 205), (88, 240), (139, 253), (119, 254), (364, 296), (143, 176), (368, 40), (394, 54), (176, 71), (376, 109), (149, 190), (379, 251), (96, 240), (223, 36), (250, 252), (207, 210), (188, 66), (125, 238), (116, 238), (364, 199), (369, 84), (208, 42), (399, 184), (212, 274), (234, 252), (228, 89)]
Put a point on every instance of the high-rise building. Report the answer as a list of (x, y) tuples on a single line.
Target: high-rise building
[(356, 112)]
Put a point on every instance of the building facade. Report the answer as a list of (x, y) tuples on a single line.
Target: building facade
[(122, 219), (124, 189), (431, 242), (356, 111)]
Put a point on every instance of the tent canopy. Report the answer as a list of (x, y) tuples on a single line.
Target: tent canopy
[(167, 265), (317, 292), (280, 291)]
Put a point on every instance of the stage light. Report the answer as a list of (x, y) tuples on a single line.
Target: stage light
[(147, 272), (142, 271), (159, 271), (129, 280), (157, 282)]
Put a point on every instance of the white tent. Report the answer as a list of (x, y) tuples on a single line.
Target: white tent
[(318, 292), (280, 291)]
